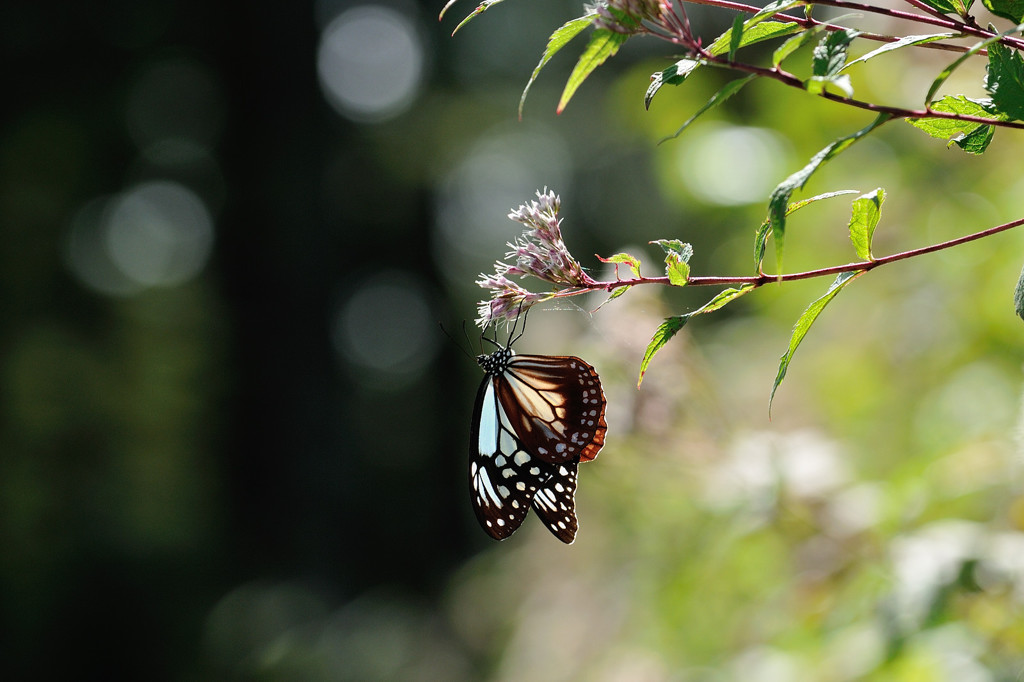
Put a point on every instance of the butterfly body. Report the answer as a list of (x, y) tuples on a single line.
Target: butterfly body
[(535, 419)]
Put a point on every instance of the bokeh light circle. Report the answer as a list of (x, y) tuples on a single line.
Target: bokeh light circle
[(730, 165), (159, 233), (370, 63), (385, 328)]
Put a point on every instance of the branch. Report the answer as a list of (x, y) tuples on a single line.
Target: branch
[(759, 280), (939, 20), (792, 81)]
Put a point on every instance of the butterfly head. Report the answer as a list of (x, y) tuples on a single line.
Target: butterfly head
[(496, 362)]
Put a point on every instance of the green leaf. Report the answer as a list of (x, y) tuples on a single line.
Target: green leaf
[(774, 8), (616, 292), (804, 324), (944, 6), (672, 325), (1007, 9), (950, 6), (727, 91), (753, 33), (735, 36), (867, 209), (673, 75), (677, 260), (761, 236), (603, 44), (957, 131), (559, 39), (1018, 296), (632, 261), (1005, 81), (830, 54), (795, 43), (665, 331), (480, 9), (797, 205), (905, 41), (817, 85), (828, 60), (779, 201), (948, 71), (976, 142), (721, 299)]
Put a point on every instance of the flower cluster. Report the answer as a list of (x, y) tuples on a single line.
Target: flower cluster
[(538, 252), (507, 300), (628, 16)]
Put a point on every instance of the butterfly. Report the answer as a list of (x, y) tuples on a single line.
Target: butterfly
[(535, 419)]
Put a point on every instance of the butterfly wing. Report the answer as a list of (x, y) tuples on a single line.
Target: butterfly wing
[(555, 502), (503, 475), (555, 405)]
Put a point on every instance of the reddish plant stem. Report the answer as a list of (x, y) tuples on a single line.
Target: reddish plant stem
[(789, 79), (762, 279), (937, 20), (926, 9)]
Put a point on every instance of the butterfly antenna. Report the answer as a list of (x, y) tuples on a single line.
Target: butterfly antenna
[(456, 341), (479, 341)]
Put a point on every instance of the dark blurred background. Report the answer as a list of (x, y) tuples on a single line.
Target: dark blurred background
[(233, 435)]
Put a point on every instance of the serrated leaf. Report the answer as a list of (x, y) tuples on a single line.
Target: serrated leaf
[(1018, 296), (955, 64), (774, 8), (480, 9), (727, 91), (779, 200), (976, 142), (673, 75), (603, 44), (828, 60), (618, 258), (945, 128), (559, 39), (905, 41), (665, 331), (867, 209), (830, 54), (1007, 9), (1004, 80), (721, 299), (753, 33), (970, 136), (803, 325), (677, 260), (672, 325)]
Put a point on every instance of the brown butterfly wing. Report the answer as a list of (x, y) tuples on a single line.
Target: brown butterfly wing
[(555, 405)]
